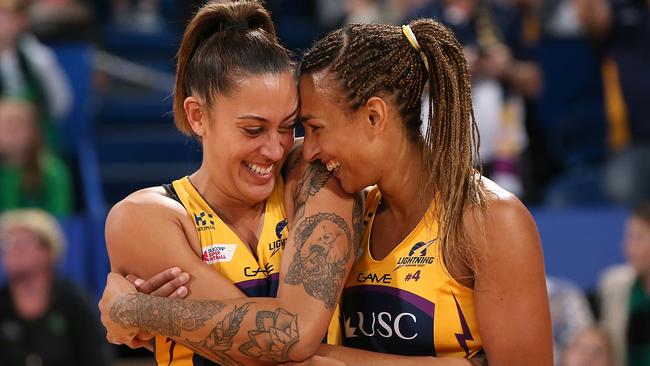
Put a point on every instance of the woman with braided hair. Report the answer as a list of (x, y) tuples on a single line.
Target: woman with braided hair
[(452, 264)]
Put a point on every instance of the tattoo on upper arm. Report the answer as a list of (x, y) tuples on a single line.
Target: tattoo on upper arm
[(276, 333), (315, 264), (313, 179), (161, 315)]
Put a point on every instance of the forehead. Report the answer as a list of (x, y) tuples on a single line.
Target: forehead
[(319, 91), (269, 95)]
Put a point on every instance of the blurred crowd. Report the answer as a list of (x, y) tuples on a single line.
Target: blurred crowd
[(561, 92)]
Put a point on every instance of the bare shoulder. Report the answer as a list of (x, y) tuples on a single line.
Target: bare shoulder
[(503, 216), (151, 203), (145, 222)]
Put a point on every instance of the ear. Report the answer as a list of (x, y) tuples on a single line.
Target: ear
[(195, 114), (377, 114)]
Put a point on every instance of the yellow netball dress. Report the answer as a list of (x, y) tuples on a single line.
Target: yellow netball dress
[(407, 303), (227, 254)]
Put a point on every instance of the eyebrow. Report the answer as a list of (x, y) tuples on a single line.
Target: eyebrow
[(307, 117), (262, 119)]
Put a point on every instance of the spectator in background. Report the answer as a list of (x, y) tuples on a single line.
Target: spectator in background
[(60, 20), (623, 26), (590, 347), (137, 15), (30, 175), (44, 320), (570, 313), (624, 294), (29, 69)]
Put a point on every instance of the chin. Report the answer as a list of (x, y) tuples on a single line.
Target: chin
[(258, 194)]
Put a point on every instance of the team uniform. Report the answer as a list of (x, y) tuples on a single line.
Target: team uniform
[(255, 275), (407, 303)]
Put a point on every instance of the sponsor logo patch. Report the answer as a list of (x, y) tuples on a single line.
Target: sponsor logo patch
[(218, 253)]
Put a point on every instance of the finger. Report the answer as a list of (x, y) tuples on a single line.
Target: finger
[(171, 287), (136, 343), (180, 293), (159, 280), (135, 280)]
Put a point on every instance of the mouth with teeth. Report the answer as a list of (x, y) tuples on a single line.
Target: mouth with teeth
[(262, 171), (333, 166)]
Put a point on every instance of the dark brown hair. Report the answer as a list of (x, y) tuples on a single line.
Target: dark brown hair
[(378, 60), (225, 39)]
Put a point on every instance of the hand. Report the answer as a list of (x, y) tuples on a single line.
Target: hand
[(317, 361), (117, 288), (169, 283)]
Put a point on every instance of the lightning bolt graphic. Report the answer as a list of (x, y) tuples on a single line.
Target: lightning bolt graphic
[(466, 335), (423, 249), (349, 330), (275, 251)]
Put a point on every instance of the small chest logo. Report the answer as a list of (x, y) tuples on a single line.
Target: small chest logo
[(204, 221), (417, 256), (219, 253), (276, 245)]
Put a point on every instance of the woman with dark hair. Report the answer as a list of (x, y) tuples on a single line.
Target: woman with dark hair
[(227, 223)]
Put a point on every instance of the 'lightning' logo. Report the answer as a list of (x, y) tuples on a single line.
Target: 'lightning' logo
[(278, 232), (466, 335), (419, 247)]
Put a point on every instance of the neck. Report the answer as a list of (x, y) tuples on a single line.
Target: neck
[(230, 209), (401, 189), (30, 293)]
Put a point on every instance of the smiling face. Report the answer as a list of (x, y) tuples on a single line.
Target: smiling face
[(343, 140), (246, 135)]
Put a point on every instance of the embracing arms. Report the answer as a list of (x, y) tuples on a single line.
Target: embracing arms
[(317, 259)]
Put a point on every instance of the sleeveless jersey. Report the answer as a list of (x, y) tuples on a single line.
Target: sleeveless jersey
[(407, 303), (256, 276)]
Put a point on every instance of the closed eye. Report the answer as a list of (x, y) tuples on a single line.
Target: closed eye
[(253, 131)]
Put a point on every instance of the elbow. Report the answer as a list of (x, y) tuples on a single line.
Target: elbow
[(302, 351), (307, 344)]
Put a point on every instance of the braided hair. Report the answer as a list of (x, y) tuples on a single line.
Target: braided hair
[(377, 59)]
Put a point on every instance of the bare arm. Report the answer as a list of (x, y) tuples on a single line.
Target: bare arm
[(358, 357), (510, 289), (148, 233), (317, 259)]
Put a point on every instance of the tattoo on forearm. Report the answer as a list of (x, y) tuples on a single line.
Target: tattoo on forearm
[(220, 339), (276, 333), (313, 179), (315, 264), (161, 315)]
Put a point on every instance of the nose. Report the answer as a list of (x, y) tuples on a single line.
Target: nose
[(310, 147), (272, 148)]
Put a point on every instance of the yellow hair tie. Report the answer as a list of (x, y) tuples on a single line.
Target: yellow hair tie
[(408, 32)]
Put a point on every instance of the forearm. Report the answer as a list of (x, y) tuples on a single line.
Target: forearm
[(263, 329), (358, 357)]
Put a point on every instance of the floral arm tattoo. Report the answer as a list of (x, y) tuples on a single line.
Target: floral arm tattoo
[(274, 334)]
